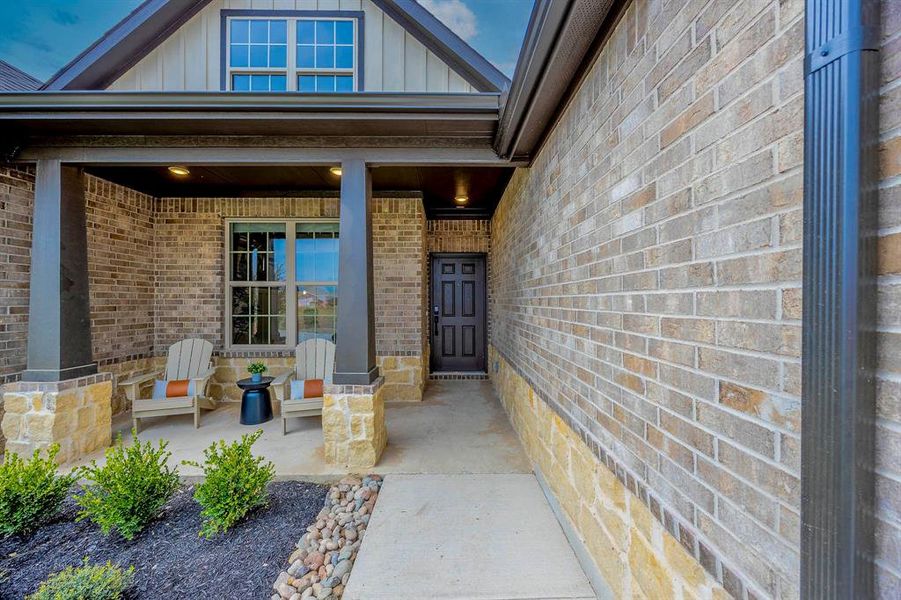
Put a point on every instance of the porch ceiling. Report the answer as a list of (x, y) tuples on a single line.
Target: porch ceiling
[(437, 184)]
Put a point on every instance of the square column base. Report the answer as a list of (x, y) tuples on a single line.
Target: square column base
[(353, 424), (76, 414)]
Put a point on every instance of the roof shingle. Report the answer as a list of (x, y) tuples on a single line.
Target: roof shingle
[(16, 80)]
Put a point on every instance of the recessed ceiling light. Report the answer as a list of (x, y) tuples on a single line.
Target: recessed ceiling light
[(461, 199), (179, 170), (335, 171)]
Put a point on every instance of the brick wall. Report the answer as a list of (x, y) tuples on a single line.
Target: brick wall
[(646, 273), (888, 385), (120, 271), (16, 200), (398, 251), (189, 270), (120, 257), (459, 235)]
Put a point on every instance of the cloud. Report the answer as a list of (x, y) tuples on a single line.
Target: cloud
[(64, 17), (455, 14)]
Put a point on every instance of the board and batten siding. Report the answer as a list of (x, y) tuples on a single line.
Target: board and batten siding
[(189, 60)]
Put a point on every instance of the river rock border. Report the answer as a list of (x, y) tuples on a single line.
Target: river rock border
[(320, 565)]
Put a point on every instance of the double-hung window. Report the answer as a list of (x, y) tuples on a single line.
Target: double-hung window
[(304, 54), (277, 298)]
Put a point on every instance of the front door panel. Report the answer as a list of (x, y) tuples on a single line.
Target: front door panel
[(458, 312)]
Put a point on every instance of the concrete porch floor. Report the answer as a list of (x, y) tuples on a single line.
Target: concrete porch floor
[(459, 427)]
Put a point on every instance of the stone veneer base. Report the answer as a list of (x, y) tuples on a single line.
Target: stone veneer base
[(76, 414), (632, 549), (404, 377), (353, 424)]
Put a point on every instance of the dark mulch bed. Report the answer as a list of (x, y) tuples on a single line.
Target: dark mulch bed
[(170, 560)]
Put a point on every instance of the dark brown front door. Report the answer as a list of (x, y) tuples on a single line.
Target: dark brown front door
[(458, 312)]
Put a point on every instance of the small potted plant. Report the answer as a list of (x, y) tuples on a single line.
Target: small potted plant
[(256, 371)]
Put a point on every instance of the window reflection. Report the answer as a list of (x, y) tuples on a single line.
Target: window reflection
[(316, 270), (258, 307), (317, 307), (316, 251)]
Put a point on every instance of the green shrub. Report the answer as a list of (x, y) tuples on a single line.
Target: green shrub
[(87, 582), (234, 484), (31, 491), (130, 489)]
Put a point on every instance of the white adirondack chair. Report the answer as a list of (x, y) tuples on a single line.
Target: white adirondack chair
[(314, 359), (188, 359)]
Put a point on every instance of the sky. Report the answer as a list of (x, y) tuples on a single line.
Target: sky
[(40, 36)]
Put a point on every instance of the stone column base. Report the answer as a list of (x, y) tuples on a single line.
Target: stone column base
[(76, 414), (404, 381), (353, 424)]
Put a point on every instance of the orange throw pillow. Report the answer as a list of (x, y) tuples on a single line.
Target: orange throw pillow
[(312, 388), (177, 388)]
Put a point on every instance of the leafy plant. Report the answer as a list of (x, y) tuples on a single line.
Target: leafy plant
[(256, 368), (31, 491), (235, 483), (94, 582), (130, 489)]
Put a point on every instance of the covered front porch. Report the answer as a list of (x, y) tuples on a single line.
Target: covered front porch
[(253, 254)]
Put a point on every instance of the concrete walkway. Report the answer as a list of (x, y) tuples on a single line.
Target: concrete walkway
[(465, 537)]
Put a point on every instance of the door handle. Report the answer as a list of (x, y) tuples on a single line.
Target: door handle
[(435, 312)]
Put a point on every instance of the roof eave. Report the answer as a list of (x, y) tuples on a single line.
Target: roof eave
[(250, 101), (560, 44), (471, 116)]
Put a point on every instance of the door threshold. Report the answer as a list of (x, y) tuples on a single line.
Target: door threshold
[(457, 375)]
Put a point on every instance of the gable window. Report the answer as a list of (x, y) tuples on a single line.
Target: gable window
[(325, 56), (307, 54), (258, 55), (277, 298)]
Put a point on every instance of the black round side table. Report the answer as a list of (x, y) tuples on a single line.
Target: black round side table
[(256, 407)]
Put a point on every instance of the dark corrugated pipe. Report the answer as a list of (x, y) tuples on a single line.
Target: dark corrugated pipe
[(840, 222)]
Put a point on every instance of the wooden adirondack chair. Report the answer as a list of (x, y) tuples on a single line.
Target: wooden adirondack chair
[(188, 359), (314, 359)]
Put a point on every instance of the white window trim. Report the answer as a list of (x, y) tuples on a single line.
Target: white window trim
[(291, 71), (290, 284)]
